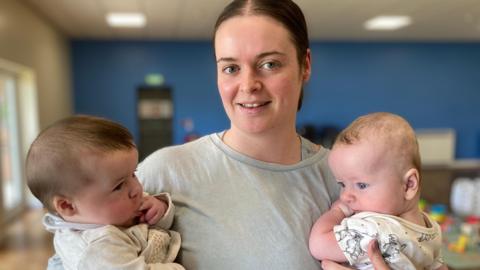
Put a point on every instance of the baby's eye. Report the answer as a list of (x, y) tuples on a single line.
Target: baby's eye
[(362, 185), (341, 184), (230, 69), (118, 187)]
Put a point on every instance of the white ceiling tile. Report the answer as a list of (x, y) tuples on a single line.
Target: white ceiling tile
[(162, 17), (327, 19), (122, 5)]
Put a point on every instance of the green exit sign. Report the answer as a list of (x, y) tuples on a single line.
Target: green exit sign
[(154, 79)]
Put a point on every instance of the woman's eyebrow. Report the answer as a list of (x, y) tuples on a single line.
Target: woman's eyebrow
[(265, 54), (262, 55), (226, 59)]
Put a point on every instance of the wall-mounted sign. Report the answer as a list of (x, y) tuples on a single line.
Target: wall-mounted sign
[(154, 79), (155, 109)]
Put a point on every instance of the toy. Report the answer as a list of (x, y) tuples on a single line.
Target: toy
[(460, 245), (438, 212)]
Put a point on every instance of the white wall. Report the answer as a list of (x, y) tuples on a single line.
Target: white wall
[(28, 39)]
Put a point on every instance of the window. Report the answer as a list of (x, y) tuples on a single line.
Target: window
[(10, 158), (18, 128)]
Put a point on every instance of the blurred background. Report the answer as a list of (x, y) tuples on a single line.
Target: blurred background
[(157, 76)]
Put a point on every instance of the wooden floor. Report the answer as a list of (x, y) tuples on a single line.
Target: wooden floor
[(27, 245)]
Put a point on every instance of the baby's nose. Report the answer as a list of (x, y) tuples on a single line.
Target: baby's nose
[(135, 191), (346, 197)]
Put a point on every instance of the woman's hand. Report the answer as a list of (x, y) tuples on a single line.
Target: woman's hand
[(373, 253), (330, 265), (376, 256)]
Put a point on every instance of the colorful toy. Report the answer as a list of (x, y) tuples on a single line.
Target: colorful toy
[(460, 245), (438, 212)]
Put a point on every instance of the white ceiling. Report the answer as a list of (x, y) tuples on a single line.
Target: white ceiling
[(433, 20)]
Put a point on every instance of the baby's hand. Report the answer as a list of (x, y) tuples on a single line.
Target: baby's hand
[(347, 211), (153, 210)]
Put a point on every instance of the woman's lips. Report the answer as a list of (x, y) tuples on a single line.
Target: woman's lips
[(253, 106)]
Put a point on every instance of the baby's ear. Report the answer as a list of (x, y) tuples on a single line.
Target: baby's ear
[(411, 183), (64, 206)]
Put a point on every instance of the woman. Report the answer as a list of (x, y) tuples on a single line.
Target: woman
[(247, 197)]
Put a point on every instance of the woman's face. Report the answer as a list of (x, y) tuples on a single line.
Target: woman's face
[(259, 77)]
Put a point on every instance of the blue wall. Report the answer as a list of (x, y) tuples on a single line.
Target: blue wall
[(433, 85)]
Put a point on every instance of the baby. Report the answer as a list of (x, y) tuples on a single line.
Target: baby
[(82, 169), (376, 161)]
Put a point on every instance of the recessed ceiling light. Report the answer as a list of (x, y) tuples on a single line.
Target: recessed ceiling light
[(387, 22), (126, 19)]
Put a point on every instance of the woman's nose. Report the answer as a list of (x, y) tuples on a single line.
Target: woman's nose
[(249, 81)]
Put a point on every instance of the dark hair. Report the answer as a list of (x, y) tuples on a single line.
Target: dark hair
[(285, 12), (54, 161)]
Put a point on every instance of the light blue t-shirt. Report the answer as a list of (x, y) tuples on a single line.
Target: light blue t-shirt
[(235, 212)]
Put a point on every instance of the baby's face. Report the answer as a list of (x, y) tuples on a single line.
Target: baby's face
[(368, 176), (115, 195)]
